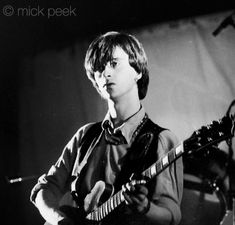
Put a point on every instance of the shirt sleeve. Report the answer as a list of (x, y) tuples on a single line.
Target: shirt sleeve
[(59, 175), (169, 183)]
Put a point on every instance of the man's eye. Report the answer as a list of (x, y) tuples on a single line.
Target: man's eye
[(113, 64)]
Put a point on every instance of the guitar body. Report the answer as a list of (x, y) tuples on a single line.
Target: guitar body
[(87, 222), (77, 216), (99, 194)]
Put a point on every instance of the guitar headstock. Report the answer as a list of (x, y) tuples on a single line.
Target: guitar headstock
[(212, 134)]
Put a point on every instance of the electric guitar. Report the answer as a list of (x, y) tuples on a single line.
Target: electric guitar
[(96, 210)]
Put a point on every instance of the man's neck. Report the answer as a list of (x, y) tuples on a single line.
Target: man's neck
[(122, 110)]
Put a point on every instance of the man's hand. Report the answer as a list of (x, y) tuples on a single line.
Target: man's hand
[(135, 194)]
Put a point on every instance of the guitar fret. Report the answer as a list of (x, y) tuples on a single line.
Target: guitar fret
[(111, 201), (118, 199), (179, 149), (102, 210), (98, 215), (106, 209), (147, 173), (122, 196), (114, 202), (101, 215), (109, 207), (99, 212), (152, 170), (171, 156), (165, 161), (158, 167)]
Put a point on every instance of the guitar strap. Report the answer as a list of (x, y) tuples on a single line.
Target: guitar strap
[(89, 137), (142, 154)]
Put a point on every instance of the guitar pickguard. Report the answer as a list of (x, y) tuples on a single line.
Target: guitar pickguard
[(99, 193)]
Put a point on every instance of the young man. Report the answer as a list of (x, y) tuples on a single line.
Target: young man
[(125, 142)]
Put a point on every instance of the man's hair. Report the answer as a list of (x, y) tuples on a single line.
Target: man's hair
[(100, 52)]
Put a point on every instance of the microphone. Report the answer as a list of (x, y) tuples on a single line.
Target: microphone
[(19, 179), (230, 20)]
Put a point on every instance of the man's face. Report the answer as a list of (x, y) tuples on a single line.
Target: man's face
[(118, 79)]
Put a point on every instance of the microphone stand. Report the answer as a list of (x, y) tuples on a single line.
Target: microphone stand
[(231, 175), (231, 172), (230, 20), (229, 219)]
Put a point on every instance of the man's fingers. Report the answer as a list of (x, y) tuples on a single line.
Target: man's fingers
[(138, 199), (135, 196), (131, 199), (128, 199), (142, 189), (135, 188)]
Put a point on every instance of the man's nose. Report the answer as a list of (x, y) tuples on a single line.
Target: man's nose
[(107, 72)]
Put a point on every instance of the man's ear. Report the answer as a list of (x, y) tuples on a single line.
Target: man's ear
[(139, 75)]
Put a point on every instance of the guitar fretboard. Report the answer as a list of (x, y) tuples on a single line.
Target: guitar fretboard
[(107, 207)]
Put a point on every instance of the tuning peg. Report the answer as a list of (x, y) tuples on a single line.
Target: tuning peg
[(215, 122), (209, 139), (221, 134), (199, 144), (220, 121)]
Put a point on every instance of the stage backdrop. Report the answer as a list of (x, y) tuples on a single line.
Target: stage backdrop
[(191, 83)]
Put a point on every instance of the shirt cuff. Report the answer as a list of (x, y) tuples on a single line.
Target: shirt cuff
[(173, 207)]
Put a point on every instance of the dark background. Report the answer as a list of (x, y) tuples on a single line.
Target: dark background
[(28, 35)]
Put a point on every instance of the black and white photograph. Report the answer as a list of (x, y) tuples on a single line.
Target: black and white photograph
[(117, 112)]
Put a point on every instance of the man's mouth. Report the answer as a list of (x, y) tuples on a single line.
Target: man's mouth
[(108, 84)]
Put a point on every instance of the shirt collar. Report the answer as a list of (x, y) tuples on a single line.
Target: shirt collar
[(128, 127)]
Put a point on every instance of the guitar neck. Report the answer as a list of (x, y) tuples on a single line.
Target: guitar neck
[(164, 162), (113, 202), (106, 208)]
